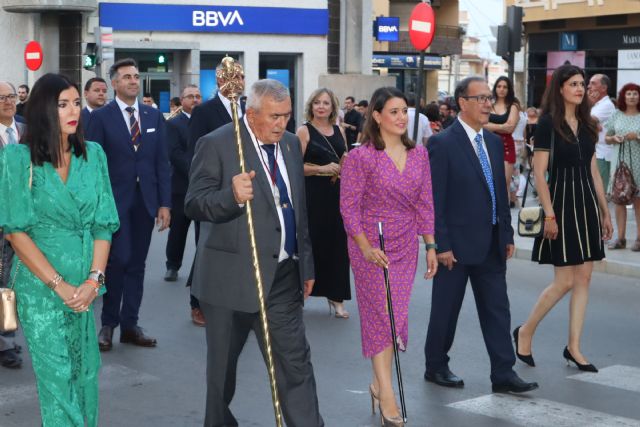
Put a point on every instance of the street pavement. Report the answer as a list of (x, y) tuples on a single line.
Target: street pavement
[(165, 386)]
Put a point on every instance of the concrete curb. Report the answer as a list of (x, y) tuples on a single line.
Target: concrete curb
[(607, 266)]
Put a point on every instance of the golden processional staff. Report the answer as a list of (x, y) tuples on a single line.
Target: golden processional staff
[(231, 74)]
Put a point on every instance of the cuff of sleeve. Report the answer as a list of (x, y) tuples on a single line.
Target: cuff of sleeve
[(102, 234)]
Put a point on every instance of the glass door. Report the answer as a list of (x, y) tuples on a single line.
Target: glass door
[(159, 87)]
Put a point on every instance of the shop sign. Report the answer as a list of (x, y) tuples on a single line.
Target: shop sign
[(216, 19), (431, 62), (628, 67), (387, 29), (568, 41)]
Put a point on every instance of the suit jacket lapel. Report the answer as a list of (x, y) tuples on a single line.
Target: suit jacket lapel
[(253, 162), (465, 146), (222, 110)]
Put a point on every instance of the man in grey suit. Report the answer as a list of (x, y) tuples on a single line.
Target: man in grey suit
[(224, 280)]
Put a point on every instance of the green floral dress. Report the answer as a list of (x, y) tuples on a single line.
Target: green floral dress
[(63, 220), (622, 124)]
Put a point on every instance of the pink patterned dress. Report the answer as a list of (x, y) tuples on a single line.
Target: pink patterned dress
[(371, 190)]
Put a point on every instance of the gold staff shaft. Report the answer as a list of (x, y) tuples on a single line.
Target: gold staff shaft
[(256, 267)]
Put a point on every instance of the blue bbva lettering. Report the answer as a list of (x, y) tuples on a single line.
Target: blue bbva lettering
[(211, 18)]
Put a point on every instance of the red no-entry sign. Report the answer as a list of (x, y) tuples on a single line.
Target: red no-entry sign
[(33, 55), (422, 23)]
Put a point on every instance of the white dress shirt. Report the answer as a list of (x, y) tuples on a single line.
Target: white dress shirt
[(424, 127), (227, 104), (4, 135), (282, 167), (125, 114), (471, 134), (603, 110)]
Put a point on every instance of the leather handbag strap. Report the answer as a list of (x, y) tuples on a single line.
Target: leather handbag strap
[(549, 168)]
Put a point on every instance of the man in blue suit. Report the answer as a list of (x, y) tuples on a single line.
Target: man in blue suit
[(95, 94), (133, 138), (474, 238)]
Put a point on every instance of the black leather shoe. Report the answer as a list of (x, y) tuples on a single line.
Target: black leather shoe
[(10, 359), (569, 358), (105, 338), (137, 337), (514, 385), (171, 275), (445, 378)]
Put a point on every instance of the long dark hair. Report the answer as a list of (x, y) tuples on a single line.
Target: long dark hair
[(553, 104), (43, 121), (372, 129)]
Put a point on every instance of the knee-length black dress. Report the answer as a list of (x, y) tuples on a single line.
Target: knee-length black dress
[(574, 199), (328, 238)]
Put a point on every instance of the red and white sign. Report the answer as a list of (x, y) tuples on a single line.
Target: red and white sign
[(33, 55), (422, 26)]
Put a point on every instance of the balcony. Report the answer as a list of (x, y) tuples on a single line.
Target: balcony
[(447, 41), (39, 6)]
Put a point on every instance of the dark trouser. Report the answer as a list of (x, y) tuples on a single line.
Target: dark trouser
[(177, 233), (489, 286), (125, 269), (193, 301), (227, 332)]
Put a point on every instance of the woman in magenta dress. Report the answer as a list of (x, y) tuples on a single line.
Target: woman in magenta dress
[(387, 179)]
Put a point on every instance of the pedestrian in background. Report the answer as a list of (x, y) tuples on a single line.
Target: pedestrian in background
[(58, 212), (424, 128), (387, 179), (324, 147), (504, 117), (95, 95), (622, 129), (432, 111), (602, 108), (575, 208), (352, 122), (529, 132), (10, 133), (23, 97)]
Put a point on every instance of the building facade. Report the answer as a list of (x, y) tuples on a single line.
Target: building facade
[(601, 36)]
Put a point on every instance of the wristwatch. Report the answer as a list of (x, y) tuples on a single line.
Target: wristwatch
[(98, 276), (431, 246)]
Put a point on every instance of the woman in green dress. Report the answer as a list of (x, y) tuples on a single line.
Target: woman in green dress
[(623, 129), (58, 212)]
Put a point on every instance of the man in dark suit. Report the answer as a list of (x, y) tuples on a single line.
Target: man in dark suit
[(11, 132), (224, 280), (206, 118), (352, 122), (95, 95), (474, 237), (133, 138), (180, 156)]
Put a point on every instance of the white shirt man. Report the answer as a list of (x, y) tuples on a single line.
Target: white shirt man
[(602, 110), (424, 128)]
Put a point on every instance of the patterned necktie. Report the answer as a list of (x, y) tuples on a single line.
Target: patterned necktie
[(486, 170), (288, 213), (134, 126), (11, 136)]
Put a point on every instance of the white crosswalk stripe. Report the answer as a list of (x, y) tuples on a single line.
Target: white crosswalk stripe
[(112, 376), (534, 412), (618, 376)]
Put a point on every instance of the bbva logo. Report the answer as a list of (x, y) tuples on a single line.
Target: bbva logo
[(213, 18), (388, 29)]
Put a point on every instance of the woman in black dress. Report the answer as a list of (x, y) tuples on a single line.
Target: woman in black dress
[(323, 147), (577, 218)]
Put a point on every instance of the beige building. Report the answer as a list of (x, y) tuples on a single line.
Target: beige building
[(602, 36), (400, 59)]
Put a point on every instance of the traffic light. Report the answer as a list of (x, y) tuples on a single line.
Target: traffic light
[(90, 56), (162, 59), (514, 22)]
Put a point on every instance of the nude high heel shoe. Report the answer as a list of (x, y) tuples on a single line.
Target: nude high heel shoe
[(333, 307), (374, 398)]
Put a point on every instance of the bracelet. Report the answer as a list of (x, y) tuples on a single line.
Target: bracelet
[(549, 218), (431, 246), (53, 283), (94, 284)]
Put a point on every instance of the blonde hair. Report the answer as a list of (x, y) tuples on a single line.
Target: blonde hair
[(308, 106)]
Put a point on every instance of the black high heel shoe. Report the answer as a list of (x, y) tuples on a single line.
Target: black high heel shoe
[(526, 359), (587, 367)]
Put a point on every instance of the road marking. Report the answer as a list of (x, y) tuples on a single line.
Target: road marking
[(533, 412), (618, 376), (111, 376)]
